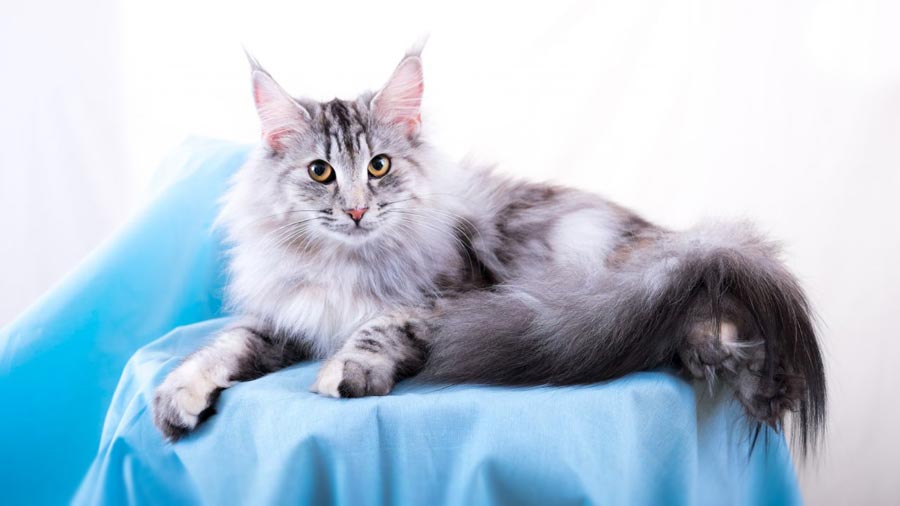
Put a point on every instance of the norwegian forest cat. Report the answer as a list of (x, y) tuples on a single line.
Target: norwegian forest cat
[(354, 241)]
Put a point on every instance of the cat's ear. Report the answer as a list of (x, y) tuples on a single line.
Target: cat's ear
[(279, 114), (400, 100)]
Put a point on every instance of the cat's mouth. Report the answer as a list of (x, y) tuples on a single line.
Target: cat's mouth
[(355, 231)]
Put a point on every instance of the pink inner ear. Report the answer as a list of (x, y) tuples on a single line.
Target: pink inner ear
[(400, 100), (279, 115)]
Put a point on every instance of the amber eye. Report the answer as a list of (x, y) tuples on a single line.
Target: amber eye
[(321, 172), (379, 166)]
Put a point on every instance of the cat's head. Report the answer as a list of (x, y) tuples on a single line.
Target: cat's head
[(343, 170)]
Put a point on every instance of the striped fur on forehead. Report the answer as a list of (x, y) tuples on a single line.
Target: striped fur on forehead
[(344, 129), (343, 125)]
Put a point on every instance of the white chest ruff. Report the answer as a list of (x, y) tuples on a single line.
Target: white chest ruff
[(323, 314), (326, 315), (323, 296), (323, 308)]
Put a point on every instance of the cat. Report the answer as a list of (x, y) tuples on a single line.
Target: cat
[(353, 240)]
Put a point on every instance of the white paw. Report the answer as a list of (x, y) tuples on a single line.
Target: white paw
[(329, 379), (355, 376), (181, 399)]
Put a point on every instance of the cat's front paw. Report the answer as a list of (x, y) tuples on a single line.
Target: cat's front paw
[(354, 376), (182, 402)]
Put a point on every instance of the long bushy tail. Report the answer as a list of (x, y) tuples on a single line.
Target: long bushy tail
[(571, 326)]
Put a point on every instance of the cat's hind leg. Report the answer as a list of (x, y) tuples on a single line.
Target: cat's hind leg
[(241, 352), (375, 357)]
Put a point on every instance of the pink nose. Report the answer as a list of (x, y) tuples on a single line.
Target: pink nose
[(357, 213)]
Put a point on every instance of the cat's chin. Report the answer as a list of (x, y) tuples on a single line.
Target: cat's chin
[(354, 236)]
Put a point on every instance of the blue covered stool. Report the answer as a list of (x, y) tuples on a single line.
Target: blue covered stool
[(152, 295)]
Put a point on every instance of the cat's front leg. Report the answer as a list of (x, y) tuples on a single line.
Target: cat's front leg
[(240, 352), (377, 355)]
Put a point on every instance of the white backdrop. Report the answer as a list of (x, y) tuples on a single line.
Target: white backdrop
[(784, 112)]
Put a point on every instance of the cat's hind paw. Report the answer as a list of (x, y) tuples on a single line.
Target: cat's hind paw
[(770, 400)]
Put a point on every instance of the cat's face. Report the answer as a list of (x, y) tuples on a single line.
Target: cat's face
[(345, 170)]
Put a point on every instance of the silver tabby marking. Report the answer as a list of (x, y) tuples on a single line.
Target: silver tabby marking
[(460, 274)]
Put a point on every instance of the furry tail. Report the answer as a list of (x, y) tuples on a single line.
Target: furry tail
[(671, 302)]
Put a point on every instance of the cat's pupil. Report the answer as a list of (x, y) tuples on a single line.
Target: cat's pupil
[(319, 169), (378, 163)]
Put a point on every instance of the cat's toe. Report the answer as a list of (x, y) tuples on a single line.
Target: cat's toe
[(770, 400), (330, 376), (178, 408), (362, 379), (352, 378), (169, 421), (169, 417)]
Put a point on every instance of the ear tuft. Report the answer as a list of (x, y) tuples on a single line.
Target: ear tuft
[(279, 114), (399, 101)]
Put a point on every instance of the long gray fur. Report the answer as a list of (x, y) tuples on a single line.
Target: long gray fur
[(460, 274)]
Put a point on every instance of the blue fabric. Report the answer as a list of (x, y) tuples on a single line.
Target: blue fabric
[(649, 438)]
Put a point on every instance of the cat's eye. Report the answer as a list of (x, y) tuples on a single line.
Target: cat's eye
[(379, 166), (321, 172)]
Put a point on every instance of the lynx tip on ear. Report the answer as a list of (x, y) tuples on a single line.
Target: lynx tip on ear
[(254, 63), (418, 46)]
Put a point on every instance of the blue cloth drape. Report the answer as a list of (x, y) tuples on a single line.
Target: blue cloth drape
[(650, 438)]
